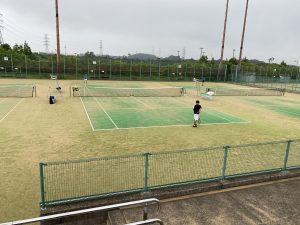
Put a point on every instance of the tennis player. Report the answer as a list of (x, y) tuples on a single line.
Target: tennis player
[(85, 78), (197, 110)]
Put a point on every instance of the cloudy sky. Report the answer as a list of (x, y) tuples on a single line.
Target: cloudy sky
[(161, 27)]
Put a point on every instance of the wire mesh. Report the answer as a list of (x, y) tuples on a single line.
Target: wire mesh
[(248, 159), (17, 90), (71, 180), (93, 91), (294, 154), (74, 180), (172, 168)]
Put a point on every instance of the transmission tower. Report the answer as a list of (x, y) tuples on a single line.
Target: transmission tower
[(183, 53), (100, 48), (46, 43), (1, 27)]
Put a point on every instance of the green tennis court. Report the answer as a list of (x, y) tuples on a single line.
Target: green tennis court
[(144, 112), (7, 105), (282, 106)]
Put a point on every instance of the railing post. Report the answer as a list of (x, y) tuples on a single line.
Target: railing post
[(226, 147), (42, 186), (286, 158), (146, 156), (145, 212)]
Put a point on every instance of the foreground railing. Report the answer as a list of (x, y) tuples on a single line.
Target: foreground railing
[(144, 202), (71, 181), (151, 221)]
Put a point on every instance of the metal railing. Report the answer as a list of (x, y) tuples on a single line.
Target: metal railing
[(80, 180), (144, 202), (151, 221)]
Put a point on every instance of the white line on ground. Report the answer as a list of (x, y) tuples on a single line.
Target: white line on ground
[(106, 113), (208, 124), (138, 100), (87, 115), (216, 114), (2, 100), (11, 110)]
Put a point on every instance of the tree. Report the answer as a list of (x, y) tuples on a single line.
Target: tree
[(233, 61), (18, 48), (283, 63), (89, 54), (204, 59), (245, 60), (5, 47), (26, 49)]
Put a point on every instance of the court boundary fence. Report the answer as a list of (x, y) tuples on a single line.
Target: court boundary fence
[(78, 180)]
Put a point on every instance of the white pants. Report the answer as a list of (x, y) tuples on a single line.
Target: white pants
[(196, 117)]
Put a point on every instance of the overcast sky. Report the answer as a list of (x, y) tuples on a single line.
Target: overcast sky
[(159, 26)]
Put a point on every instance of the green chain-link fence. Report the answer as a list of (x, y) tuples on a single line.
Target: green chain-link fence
[(70, 181)]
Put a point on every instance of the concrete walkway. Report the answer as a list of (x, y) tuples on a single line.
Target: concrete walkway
[(270, 203)]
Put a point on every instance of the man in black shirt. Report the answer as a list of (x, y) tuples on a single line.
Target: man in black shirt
[(197, 110)]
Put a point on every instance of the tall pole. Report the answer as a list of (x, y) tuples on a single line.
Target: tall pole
[(243, 34), (201, 50), (224, 34), (57, 39)]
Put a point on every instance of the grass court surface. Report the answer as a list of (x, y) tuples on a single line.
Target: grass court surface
[(145, 112)]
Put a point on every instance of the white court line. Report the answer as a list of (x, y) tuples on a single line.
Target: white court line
[(2, 100), (208, 124), (87, 114), (11, 110), (106, 113), (216, 114), (140, 102)]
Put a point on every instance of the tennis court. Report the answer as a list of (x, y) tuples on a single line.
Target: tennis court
[(284, 107), (7, 105), (106, 113)]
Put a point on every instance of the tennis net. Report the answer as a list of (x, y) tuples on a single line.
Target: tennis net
[(18, 90), (93, 91), (221, 91)]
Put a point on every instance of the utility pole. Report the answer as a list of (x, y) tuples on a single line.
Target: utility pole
[(243, 34), (233, 53), (224, 35), (57, 39)]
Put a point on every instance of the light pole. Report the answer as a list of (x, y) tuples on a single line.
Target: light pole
[(243, 34), (201, 51), (224, 36), (233, 53)]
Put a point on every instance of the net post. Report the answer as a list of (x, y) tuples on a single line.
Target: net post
[(42, 185), (287, 151), (225, 147), (146, 158)]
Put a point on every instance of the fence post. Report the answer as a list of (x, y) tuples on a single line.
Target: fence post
[(226, 147), (286, 158), (146, 156), (42, 186)]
